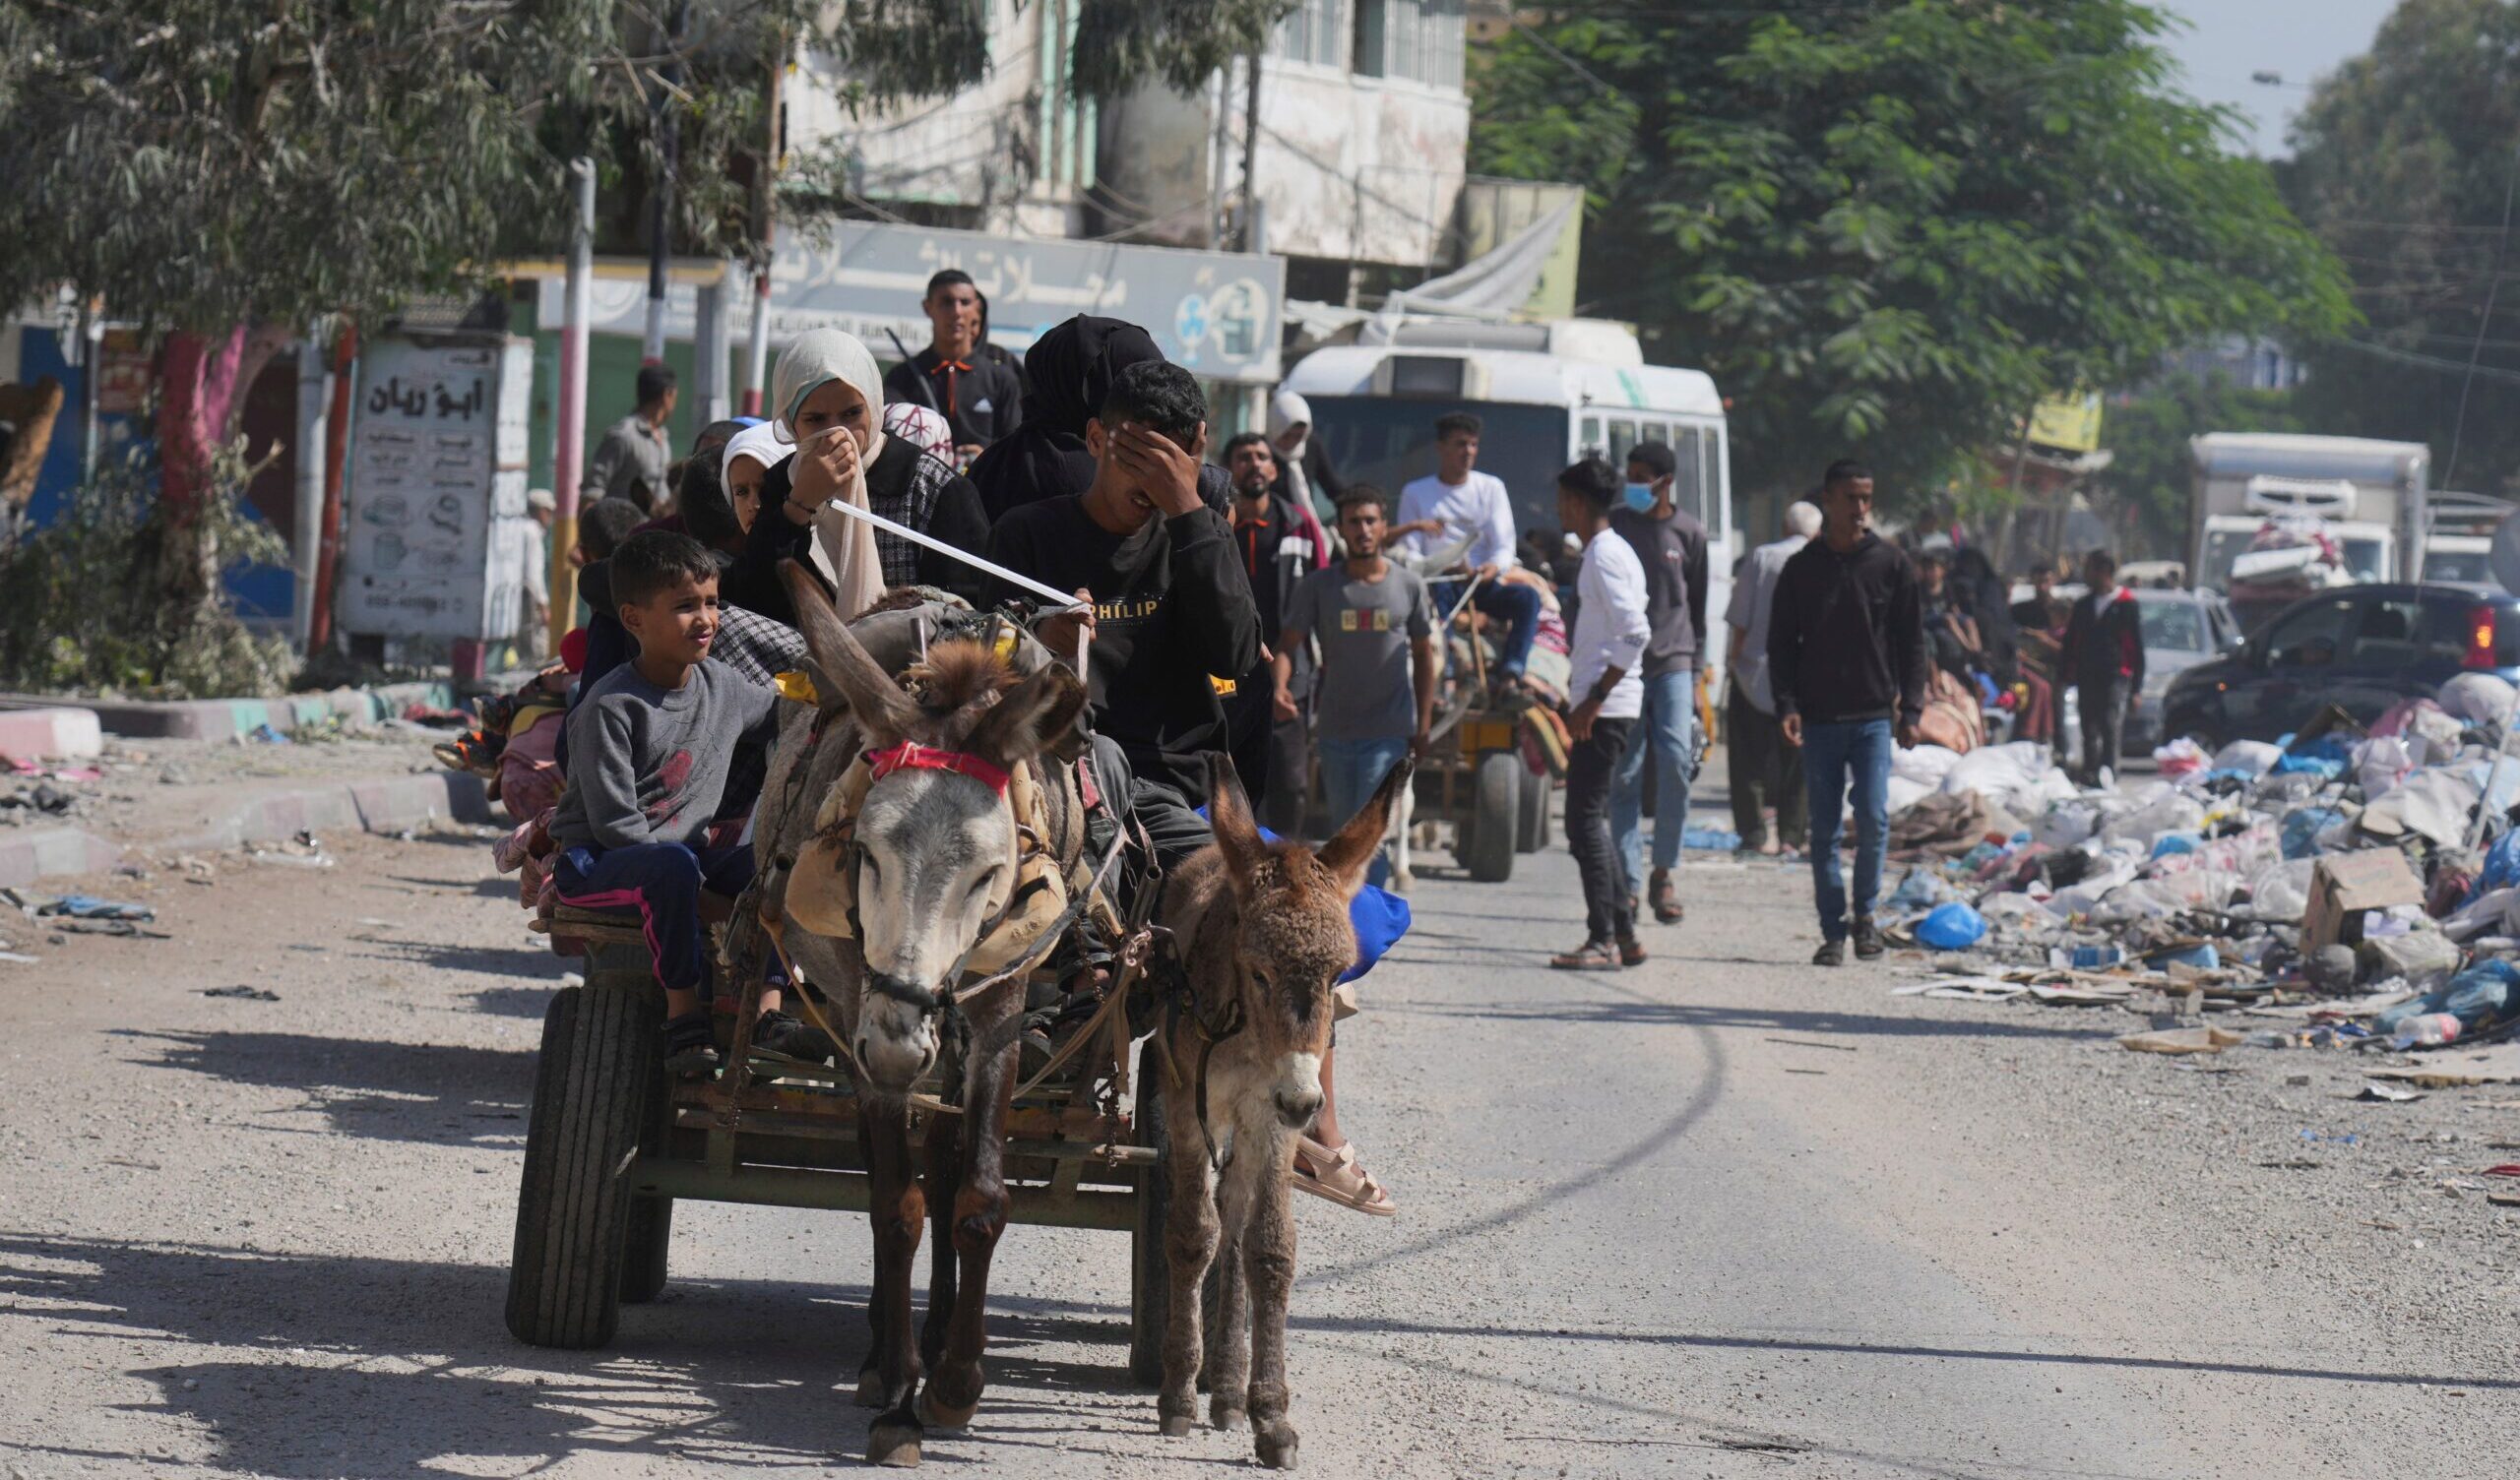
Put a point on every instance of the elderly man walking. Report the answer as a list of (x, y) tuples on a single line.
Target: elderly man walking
[(1762, 768), (1847, 662)]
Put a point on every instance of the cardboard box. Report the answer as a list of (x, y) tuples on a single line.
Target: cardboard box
[(2344, 885)]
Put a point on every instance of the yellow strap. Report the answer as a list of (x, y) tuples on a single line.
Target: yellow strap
[(798, 686)]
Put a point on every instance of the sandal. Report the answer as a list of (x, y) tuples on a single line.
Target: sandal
[(691, 1045), (1336, 1176), (1592, 956)]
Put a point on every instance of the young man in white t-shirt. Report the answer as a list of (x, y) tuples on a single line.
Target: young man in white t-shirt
[(1460, 500), (1609, 656)]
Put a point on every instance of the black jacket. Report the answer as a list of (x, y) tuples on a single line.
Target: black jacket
[(1846, 635), (981, 398), (1172, 607), (2105, 648)]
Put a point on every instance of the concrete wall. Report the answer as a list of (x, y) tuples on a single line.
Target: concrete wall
[(1011, 150), (1352, 167)]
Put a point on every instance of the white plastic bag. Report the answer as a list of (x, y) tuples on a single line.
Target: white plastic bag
[(1904, 792), (2158, 809), (2476, 699), (2255, 756), (2066, 824), (2280, 893), (1926, 764), (2380, 764)]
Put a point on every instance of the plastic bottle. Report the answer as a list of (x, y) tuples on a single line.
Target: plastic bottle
[(2427, 1030)]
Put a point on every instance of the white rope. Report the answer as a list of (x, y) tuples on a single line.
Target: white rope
[(1067, 600)]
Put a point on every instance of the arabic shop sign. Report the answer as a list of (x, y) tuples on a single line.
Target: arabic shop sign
[(1217, 313)]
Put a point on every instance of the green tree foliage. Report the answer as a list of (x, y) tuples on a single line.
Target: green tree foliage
[(2148, 434), (1887, 228), (2403, 162)]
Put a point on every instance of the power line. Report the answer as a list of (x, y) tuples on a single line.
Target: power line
[(2476, 352), (2429, 362)]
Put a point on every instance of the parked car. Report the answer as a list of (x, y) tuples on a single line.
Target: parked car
[(2182, 629), (2360, 647)]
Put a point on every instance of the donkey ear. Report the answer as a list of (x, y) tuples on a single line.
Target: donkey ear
[(1350, 853), (1028, 718), (1230, 818), (842, 665)]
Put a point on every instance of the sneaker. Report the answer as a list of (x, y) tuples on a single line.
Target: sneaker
[(1868, 939), (1830, 954), (1665, 898), (781, 1033)]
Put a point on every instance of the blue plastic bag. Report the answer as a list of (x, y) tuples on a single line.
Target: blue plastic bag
[(2169, 844), (1952, 927), (2479, 997), (2302, 828), (1379, 917), (2501, 863)]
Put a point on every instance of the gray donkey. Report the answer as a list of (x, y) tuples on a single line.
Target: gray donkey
[(1263, 935), (880, 900)]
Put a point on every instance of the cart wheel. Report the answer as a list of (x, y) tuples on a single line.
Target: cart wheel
[(602, 1061), (1540, 793), (644, 1249), (1496, 817), (1150, 1272)]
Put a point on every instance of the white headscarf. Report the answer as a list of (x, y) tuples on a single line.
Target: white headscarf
[(922, 428), (1285, 409), (844, 547), (759, 442)]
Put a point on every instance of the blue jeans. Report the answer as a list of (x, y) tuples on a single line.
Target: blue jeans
[(663, 882), (1833, 756), (1350, 769), (1670, 732), (1514, 605)]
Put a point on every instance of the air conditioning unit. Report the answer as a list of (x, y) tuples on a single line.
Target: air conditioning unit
[(1431, 377), (2315, 498)]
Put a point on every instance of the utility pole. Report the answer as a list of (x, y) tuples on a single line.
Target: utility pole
[(1250, 236), (766, 226), (668, 131), (570, 452)]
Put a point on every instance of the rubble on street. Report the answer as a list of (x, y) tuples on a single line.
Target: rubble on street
[(2346, 889)]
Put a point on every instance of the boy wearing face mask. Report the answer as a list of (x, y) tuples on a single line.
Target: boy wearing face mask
[(1671, 543)]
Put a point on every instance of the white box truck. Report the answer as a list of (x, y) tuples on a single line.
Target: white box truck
[(2278, 514)]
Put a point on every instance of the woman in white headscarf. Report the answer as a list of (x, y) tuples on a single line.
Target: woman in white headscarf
[(828, 402), (744, 468), (1304, 473)]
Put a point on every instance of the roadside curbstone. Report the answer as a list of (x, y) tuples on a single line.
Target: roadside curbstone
[(59, 732)]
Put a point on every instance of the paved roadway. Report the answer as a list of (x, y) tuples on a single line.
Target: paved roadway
[(1721, 1215)]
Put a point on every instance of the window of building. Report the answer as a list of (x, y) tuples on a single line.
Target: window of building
[(1315, 31), (1417, 39)]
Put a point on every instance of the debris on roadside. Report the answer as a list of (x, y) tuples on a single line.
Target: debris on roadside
[(242, 992), (2356, 890), (305, 851)]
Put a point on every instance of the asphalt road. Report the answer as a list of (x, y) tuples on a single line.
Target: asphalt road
[(1720, 1215)]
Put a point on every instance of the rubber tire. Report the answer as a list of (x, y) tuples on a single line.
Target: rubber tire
[(1495, 816), (1531, 829), (1150, 1267), (603, 1059)]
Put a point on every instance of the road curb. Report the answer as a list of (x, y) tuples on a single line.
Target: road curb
[(228, 718), (54, 731), (383, 804)]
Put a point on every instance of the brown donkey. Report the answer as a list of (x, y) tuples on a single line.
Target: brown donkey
[(1263, 935)]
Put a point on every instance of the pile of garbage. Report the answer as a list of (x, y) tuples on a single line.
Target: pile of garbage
[(2368, 879)]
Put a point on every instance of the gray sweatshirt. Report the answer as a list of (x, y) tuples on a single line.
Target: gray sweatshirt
[(649, 765)]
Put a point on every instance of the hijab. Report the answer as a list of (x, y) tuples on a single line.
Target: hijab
[(922, 428), (844, 548), (757, 441), (1285, 409), (1071, 368)]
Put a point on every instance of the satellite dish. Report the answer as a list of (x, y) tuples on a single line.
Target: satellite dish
[(2505, 557)]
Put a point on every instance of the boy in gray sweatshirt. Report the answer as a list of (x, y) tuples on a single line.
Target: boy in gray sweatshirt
[(648, 747)]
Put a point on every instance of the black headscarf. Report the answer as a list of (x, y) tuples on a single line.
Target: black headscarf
[(1069, 370)]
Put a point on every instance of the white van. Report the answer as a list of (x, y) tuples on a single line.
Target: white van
[(1547, 394)]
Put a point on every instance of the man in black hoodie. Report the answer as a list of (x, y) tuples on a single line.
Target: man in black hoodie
[(1846, 659), (2105, 659), (1172, 612)]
